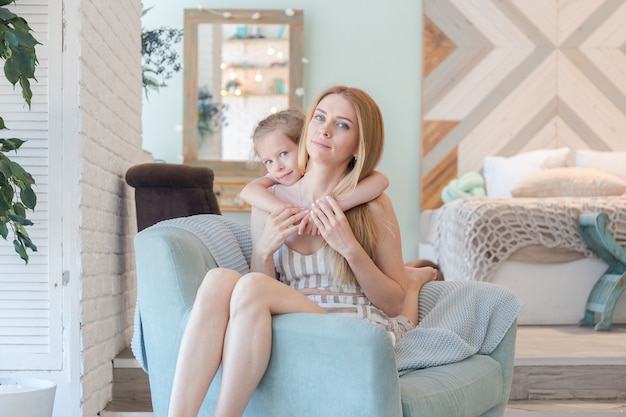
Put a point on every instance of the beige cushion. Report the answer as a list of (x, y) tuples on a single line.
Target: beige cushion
[(501, 174), (569, 182)]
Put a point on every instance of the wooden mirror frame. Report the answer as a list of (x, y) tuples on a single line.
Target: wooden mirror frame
[(194, 18)]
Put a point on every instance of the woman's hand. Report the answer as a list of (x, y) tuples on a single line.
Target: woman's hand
[(332, 224)]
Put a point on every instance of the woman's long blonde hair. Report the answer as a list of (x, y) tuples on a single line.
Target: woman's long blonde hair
[(369, 151)]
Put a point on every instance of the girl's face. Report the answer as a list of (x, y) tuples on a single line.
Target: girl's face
[(279, 156), (333, 133)]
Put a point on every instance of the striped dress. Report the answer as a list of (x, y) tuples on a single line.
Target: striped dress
[(310, 272)]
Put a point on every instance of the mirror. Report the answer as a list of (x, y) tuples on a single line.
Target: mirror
[(239, 66)]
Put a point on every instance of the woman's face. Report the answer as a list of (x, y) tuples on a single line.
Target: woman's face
[(333, 133)]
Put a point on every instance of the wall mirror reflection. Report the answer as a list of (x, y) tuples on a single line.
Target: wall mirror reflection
[(239, 66)]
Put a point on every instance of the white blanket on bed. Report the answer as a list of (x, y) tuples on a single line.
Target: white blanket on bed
[(474, 236)]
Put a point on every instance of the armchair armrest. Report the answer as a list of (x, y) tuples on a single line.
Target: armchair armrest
[(171, 264)]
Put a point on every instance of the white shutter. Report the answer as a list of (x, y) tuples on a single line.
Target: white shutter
[(31, 295)]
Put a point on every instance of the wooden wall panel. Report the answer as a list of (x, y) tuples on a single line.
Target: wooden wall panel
[(507, 76)]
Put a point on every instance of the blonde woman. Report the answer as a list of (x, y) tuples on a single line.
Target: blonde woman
[(355, 263)]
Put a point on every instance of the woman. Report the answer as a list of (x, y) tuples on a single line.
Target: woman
[(357, 257)]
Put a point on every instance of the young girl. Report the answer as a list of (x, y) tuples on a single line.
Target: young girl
[(276, 144)]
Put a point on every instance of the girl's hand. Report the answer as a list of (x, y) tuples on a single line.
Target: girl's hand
[(307, 227), (332, 224), (278, 226)]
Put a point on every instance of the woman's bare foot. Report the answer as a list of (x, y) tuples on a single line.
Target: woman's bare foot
[(419, 276), (416, 278), (418, 263)]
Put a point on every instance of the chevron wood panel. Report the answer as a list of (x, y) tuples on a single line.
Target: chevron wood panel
[(507, 76)]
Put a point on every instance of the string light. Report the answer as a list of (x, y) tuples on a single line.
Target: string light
[(228, 14)]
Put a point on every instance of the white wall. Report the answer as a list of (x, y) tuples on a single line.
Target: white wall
[(110, 143), (373, 45)]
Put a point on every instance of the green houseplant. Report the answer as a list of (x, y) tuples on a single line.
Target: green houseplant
[(17, 49)]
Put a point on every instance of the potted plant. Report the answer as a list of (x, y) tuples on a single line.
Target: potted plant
[(26, 397), (17, 49)]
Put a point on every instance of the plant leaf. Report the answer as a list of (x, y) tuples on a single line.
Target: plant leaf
[(6, 14), (4, 230), (11, 71), (25, 239), (5, 168), (20, 220), (20, 249), (11, 144), (29, 198), (25, 39), (27, 93)]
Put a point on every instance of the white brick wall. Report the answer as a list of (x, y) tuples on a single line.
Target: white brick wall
[(110, 113)]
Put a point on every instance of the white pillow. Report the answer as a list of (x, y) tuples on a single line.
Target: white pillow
[(501, 174), (569, 182), (612, 162)]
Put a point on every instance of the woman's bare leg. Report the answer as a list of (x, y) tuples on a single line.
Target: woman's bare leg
[(248, 344), (416, 278), (202, 343)]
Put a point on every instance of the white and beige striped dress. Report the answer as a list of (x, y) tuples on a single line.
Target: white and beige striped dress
[(310, 272)]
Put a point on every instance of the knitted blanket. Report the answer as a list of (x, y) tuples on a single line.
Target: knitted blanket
[(457, 320), (474, 236), (228, 242)]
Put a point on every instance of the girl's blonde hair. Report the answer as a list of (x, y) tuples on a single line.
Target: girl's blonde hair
[(289, 122), (369, 151)]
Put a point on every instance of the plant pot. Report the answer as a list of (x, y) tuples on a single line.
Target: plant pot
[(26, 397)]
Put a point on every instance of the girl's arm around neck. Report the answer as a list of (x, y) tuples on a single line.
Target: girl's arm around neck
[(257, 194), (367, 189)]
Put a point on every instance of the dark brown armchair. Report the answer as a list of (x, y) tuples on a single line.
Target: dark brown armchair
[(166, 191)]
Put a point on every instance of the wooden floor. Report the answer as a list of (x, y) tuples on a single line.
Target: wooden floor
[(570, 356), (562, 371)]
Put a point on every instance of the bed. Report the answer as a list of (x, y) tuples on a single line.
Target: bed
[(524, 235)]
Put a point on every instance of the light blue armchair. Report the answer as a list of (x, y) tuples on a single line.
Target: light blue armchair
[(320, 365)]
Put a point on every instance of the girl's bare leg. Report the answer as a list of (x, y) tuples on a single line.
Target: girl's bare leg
[(202, 343), (248, 342), (416, 278)]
